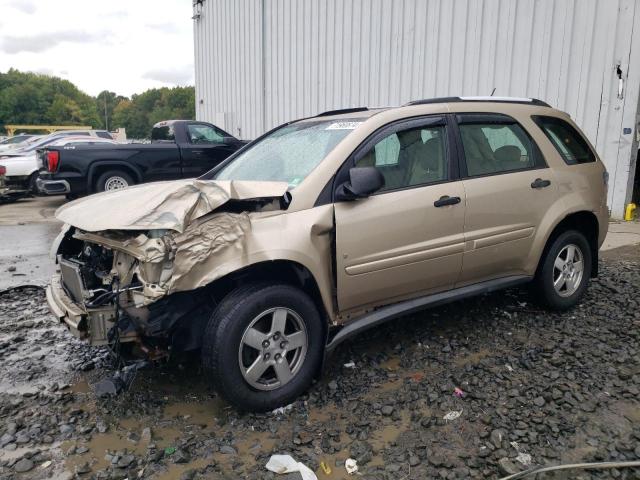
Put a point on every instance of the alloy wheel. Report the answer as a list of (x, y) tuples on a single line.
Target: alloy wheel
[(568, 270), (273, 348)]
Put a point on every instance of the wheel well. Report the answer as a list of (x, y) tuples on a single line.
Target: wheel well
[(100, 169), (284, 271), (584, 222)]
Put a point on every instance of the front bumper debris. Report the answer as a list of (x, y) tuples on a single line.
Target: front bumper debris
[(89, 324), (8, 195)]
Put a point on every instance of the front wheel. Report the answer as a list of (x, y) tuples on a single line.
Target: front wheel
[(263, 346), (564, 274)]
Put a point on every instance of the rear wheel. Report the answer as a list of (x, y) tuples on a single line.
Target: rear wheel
[(113, 180), (32, 186), (263, 345), (564, 274)]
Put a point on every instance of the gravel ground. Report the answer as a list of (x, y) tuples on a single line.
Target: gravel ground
[(533, 388)]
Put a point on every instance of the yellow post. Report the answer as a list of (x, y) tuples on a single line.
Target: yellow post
[(628, 212)]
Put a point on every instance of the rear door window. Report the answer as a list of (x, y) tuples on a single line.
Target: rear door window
[(495, 144), (571, 146)]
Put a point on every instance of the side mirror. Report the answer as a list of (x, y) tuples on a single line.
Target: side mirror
[(363, 181)]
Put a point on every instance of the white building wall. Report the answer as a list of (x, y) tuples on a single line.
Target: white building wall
[(260, 63)]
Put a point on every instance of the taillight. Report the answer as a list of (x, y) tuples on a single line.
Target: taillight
[(52, 161), (3, 170)]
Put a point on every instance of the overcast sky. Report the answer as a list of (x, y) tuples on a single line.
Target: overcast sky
[(124, 46)]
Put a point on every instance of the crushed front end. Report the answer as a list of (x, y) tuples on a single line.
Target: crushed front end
[(123, 286), (145, 265)]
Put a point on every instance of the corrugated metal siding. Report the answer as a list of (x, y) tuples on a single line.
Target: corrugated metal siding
[(260, 63)]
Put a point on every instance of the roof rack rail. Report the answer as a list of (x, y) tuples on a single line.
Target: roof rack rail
[(342, 110), (528, 101)]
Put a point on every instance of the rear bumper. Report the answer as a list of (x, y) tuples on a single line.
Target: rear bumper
[(17, 182), (91, 325), (53, 187)]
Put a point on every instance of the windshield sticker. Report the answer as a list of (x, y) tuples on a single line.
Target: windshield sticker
[(343, 126)]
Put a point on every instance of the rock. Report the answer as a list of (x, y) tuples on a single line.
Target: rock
[(66, 428), (188, 475), (507, 467), (125, 461), (23, 465), (83, 468), (228, 450), (333, 385), (181, 456), (6, 438), (539, 401), (496, 438), (387, 410), (414, 461)]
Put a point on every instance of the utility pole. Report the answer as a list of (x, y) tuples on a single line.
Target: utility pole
[(106, 120)]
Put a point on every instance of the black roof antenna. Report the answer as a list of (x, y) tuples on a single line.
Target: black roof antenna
[(493, 91)]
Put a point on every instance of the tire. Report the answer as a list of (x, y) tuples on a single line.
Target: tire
[(113, 180), (572, 284), (31, 186), (258, 309)]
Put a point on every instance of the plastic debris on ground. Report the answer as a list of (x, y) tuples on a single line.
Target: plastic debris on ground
[(350, 365), (458, 392), (282, 410), (286, 464), (325, 468), (524, 458), (351, 466), (452, 415)]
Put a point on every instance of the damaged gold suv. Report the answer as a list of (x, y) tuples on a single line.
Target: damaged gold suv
[(329, 225)]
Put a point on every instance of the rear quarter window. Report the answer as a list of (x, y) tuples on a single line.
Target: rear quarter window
[(569, 143), (163, 133)]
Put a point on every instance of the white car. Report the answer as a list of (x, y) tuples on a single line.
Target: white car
[(19, 141), (22, 165)]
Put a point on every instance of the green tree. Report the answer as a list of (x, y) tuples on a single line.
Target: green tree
[(36, 99)]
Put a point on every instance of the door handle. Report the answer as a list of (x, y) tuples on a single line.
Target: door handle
[(540, 183), (197, 152), (446, 200)]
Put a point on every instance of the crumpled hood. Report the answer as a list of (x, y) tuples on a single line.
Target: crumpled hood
[(171, 205)]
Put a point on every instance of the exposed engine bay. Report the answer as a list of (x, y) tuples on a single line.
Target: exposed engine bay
[(110, 286)]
